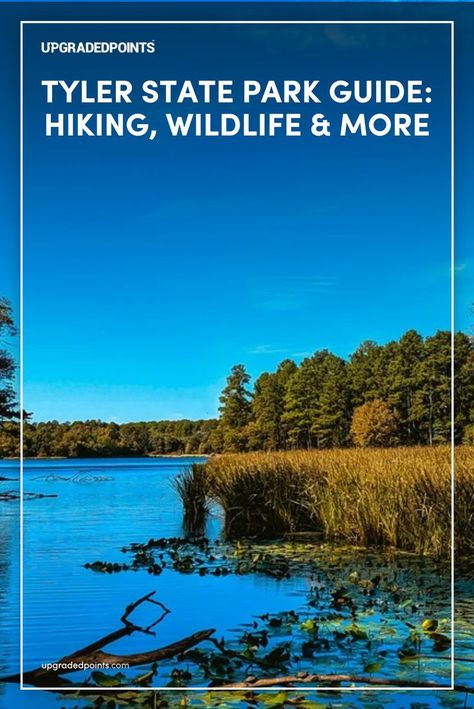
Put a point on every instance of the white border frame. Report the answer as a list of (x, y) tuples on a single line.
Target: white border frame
[(298, 688)]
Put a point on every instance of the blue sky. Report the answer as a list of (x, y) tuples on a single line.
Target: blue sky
[(151, 268)]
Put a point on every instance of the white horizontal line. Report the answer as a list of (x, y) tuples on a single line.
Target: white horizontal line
[(204, 688), (237, 22)]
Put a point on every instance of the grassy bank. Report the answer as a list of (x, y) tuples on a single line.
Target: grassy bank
[(394, 496)]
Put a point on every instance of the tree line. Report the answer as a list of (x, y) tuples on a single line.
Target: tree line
[(393, 394), (90, 439), (382, 395)]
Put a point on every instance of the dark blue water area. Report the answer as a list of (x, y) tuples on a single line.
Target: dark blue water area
[(98, 507)]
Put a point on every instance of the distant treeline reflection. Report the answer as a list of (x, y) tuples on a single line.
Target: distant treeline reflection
[(382, 395)]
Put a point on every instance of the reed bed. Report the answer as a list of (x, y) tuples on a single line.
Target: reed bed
[(192, 488), (394, 496)]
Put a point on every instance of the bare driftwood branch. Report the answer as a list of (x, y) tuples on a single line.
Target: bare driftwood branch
[(142, 658), (127, 629), (93, 653), (292, 681)]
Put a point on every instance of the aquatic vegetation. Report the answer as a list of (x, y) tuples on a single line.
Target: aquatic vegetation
[(262, 700), (376, 614), (398, 497), (192, 487)]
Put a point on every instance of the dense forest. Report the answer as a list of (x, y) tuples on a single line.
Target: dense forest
[(382, 395), (85, 439)]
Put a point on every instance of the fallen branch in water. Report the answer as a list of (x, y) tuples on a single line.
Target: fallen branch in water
[(13, 495), (80, 477), (293, 681), (93, 653), (457, 658)]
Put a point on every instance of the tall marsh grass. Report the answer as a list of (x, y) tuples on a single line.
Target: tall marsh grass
[(394, 496), (192, 488)]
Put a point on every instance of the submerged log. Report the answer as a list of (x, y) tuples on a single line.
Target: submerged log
[(294, 681), (93, 653)]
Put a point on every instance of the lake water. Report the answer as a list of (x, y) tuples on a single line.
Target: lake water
[(100, 506)]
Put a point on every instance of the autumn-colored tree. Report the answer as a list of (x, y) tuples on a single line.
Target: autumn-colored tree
[(374, 424)]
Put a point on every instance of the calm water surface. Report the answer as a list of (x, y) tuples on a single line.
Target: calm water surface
[(67, 606)]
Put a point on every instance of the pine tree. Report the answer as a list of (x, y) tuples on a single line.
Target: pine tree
[(432, 400), (367, 372), (334, 414), (404, 380), (268, 406), (317, 411), (235, 409), (463, 386)]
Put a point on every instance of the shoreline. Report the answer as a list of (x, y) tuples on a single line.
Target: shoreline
[(112, 457)]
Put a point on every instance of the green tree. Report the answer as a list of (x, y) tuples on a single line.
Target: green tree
[(334, 414), (8, 407), (431, 402), (268, 406), (317, 410), (134, 438), (463, 386), (235, 409), (367, 372), (404, 379)]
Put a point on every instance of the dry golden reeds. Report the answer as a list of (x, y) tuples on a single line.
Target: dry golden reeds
[(392, 496)]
